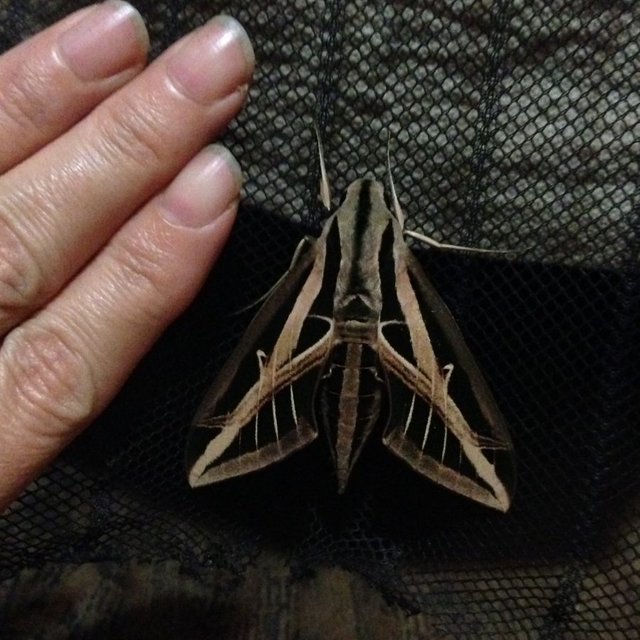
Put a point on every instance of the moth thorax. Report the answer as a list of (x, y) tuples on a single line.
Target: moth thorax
[(358, 307), (356, 331)]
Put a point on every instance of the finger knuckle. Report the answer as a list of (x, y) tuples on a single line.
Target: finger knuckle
[(140, 267), (135, 133), (20, 274), (27, 98), (48, 375)]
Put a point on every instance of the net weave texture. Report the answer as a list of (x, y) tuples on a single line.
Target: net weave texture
[(514, 125)]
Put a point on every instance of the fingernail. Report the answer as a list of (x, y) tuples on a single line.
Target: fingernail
[(109, 39), (204, 189), (213, 62)]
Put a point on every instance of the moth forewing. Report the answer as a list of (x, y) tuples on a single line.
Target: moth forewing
[(226, 438), (460, 399), (353, 326)]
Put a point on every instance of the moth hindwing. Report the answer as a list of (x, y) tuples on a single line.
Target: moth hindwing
[(355, 337)]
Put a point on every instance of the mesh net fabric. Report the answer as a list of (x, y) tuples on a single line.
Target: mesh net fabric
[(514, 125)]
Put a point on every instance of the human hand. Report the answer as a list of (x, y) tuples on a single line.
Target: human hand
[(110, 213)]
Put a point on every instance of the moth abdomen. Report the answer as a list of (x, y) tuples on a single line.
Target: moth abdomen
[(349, 399)]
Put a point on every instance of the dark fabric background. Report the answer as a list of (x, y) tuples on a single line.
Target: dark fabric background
[(515, 124)]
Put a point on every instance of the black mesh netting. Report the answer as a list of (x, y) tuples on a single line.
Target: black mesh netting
[(515, 124)]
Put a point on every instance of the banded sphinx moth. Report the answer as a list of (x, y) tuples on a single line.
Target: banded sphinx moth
[(355, 337)]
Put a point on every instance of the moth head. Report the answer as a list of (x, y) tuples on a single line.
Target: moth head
[(364, 196)]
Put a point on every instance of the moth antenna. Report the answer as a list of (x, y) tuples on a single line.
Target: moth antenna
[(325, 190), (397, 209)]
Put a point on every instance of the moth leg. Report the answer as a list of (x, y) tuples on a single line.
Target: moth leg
[(421, 237), (304, 244), (486, 442), (262, 358)]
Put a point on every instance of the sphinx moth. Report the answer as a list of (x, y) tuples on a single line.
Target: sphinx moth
[(354, 338)]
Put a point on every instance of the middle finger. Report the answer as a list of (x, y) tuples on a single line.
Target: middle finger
[(59, 207)]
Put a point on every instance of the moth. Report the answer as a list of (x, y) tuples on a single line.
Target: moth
[(354, 339)]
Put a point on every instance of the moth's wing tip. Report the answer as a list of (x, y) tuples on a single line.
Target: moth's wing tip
[(503, 495), (195, 475), (194, 479), (199, 438), (503, 505), (508, 477)]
